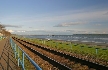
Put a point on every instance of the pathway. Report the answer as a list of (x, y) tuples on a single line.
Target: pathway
[(7, 60)]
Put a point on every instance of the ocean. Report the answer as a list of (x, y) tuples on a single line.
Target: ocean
[(96, 38)]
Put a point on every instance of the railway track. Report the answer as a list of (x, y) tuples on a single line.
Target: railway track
[(46, 58), (59, 64)]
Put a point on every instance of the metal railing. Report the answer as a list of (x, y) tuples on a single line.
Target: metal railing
[(21, 60)]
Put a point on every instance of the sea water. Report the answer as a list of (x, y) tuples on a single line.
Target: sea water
[(97, 38)]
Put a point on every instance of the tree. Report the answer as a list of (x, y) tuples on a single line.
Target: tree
[(3, 31), (1, 27)]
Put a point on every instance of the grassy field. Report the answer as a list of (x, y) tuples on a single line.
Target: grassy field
[(83, 49)]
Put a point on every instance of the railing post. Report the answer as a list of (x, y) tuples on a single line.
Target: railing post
[(15, 51), (23, 59), (18, 56), (11, 43), (13, 46)]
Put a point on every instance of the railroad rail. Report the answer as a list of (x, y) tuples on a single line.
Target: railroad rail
[(67, 56), (50, 60)]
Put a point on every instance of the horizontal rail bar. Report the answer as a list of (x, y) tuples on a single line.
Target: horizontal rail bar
[(36, 66)]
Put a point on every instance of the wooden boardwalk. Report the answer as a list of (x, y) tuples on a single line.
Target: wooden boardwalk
[(7, 59)]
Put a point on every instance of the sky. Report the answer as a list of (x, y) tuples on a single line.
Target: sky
[(54, 17)]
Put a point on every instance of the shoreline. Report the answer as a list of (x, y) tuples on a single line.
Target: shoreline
[(103, 45)]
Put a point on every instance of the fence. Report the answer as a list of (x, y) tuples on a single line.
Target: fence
[(21, 62)]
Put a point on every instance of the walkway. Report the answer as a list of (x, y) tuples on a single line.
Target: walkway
[(7, 60)]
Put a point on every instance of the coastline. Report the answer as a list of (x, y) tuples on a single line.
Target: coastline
[(89, 43), (102, 45)]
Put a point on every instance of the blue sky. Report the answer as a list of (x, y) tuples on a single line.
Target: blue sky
[(54, 16)]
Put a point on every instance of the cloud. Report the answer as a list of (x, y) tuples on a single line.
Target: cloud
[(82, 14), (21, 31), (30, 27), (70, 30), (57, 32), (42, 32), (77, 31), (63, 16), (98, 24), (106, 13), (77, 16), (10, 31), (70, 24), (16, 26)]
